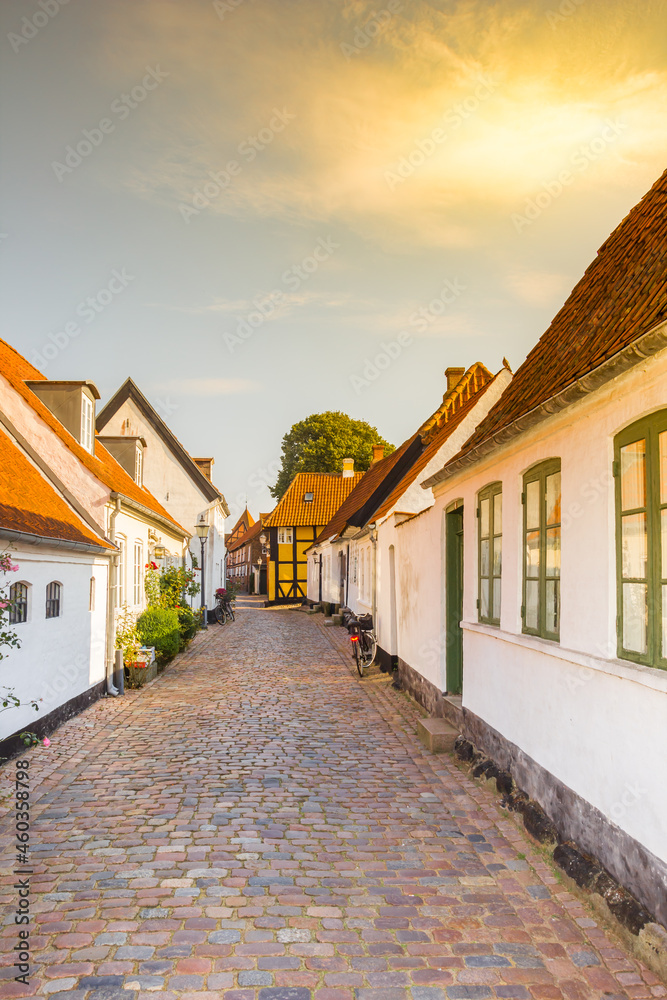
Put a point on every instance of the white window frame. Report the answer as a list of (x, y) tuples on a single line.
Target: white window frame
[(285, 536), (87, 415), (120, 570), (138, 576), (139, 466)]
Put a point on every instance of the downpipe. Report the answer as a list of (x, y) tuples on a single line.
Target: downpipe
[(111, 659)]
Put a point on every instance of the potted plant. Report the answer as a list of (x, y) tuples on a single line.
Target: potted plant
[(139, 660)]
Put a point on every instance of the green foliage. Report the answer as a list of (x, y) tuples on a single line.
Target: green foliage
[(167, 588), (321, 442), (159, 627), (152, 586), (127, 635), (188, 624)]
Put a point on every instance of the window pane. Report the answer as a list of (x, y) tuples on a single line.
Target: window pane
[(553, 498), (633, 545), (532, 553), (663, 533), (496, 598), (634, 617), (633, 475), (664, 622), (553, 551), (484, 599), (663, 466), (484, 518), (484, 557), (533, 504), (498, 514), (497, 555), (532, 603), (552, 608)]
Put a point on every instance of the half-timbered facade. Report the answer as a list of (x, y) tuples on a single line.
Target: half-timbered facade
[(309, 503)]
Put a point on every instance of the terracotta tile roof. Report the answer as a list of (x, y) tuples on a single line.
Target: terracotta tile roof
[(17, 370), (622, 295), (380, 488), (244, 523), (247, 536), (329, 491), (29, 503)]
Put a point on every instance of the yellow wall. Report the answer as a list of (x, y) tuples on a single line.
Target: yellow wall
[(283, 583)]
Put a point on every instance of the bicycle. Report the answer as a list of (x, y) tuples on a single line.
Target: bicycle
[(362, 637), (224, 611)]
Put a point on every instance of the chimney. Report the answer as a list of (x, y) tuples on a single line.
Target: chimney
[(378, 453), (348, 468), (453, 376), (204, 465)]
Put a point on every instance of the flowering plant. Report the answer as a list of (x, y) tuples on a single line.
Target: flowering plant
[(127, 637), (8, 637)]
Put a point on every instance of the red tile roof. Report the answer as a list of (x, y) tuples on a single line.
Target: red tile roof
[(30, 503), (329, 491), (622, 295), (417, 451), (17, 370)]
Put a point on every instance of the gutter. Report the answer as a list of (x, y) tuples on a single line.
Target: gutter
[(28, 538), (639, 350), (111, 593), (150, 515)]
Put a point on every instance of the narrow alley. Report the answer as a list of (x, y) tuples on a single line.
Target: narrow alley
[(258, 822)]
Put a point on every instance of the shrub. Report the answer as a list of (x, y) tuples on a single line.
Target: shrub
[(188, 623), (159, 627)]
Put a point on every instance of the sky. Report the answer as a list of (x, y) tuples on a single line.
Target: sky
[(263, 209)]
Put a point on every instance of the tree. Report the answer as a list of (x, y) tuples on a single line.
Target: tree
[(321, 442)]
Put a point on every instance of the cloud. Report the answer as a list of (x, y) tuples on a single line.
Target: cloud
[(472, 105), (207, 386), (539, 288)]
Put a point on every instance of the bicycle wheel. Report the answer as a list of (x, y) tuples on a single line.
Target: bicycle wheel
[(359, 658), (229, 611), (370, 648), (220, 614)]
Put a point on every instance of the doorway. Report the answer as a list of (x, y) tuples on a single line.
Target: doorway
[(454, 599)]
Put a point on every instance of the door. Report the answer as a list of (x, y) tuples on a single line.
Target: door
[(454, 599)]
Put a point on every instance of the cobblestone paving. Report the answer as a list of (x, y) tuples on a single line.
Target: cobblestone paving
[(258, 823)]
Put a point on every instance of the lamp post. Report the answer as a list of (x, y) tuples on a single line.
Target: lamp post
[(202, 530)]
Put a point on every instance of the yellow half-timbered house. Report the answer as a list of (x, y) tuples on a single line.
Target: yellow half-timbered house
[(309, 503)]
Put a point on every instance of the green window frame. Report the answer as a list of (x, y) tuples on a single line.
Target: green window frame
[(541, 500), (640, 471), (489, 553)]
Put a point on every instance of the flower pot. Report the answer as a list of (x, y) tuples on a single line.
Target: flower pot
[(142, 670)]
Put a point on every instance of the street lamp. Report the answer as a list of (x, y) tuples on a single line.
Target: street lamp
[(202, 530)]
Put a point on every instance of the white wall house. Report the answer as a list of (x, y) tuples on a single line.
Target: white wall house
[(181, 484), (534, 586), (358, 547), (54, 421), (57, 595)]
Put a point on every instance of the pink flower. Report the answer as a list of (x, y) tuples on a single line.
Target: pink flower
[(46, 741), (3, 604)]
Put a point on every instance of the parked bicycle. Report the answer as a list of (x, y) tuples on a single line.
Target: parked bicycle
[(224, 611), (362, 638)]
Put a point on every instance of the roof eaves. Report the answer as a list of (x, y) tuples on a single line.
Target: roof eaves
[(390, 481), (638, 351)]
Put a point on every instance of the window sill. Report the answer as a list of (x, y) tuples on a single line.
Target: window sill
[(651, 677)]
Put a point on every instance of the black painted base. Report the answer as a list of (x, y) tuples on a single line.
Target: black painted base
[(13, 746)]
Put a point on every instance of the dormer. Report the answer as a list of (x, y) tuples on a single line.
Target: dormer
[(204, 465), (73, 404), (128, 451)]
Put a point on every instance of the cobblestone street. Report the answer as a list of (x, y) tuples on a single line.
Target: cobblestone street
[(258, 822)]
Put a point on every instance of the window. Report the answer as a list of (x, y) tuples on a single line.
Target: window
[(139, 466), (541, 532), (86, 422), (91, 595), (490, 518), (284, 536), (138, 571), (18, 603), (640, 468), (53, 594), (120, 572)]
